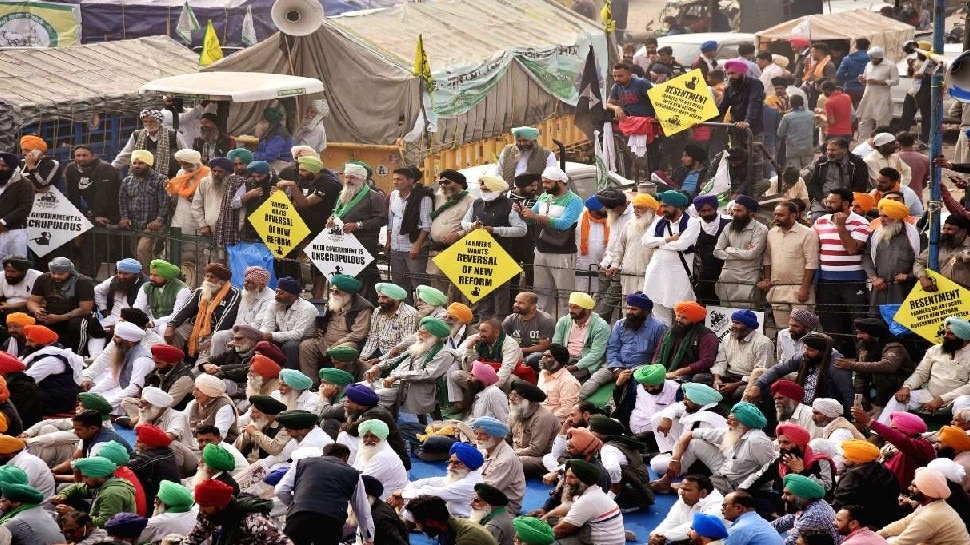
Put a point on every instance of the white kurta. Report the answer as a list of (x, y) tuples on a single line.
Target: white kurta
[(107, 383), (169, 523), (455, 494), (385, 466), (681, 420), (876, 100), (666, 282)]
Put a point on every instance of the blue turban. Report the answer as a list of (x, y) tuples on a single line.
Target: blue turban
[(700, 202), (709, 45), (125, 525), (594, 204), (128, 265), (959, 327), (673, 198), (749, 415), (709, 526), (361, 395), (701, 394), (258, 167), (289, 285), (529, 133), (745, 317), (491, 426), (747, 202), (468, 455), (639, 300), (222, 162)]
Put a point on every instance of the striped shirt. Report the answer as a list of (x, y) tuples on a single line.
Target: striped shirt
[(835, 262)]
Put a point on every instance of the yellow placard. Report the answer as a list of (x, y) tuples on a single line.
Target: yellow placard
[(923, 311), (279, 224), (477, 264), (683, 102)]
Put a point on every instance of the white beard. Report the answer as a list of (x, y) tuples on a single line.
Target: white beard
[(570, 493), (517, 411), (488, 443), (201, 475), (349, 192), (290, 399), (478, 514), (336, 303), (208, 289), (250, 296), (730, 440), (888, 231), (149, 415), (638, 226), (455, 475), (159, 510), (254, 383), (260, 423), (365, 453), (420, 348)]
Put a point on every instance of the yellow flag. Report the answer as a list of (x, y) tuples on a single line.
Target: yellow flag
[(211, 51), (422, 68), (606, 16)]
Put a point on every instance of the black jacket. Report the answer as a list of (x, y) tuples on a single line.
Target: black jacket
[(856, 177), (17, 201), (873, 485), (152, 466), (745, 103), (94, 189)]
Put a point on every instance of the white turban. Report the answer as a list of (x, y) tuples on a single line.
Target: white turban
[(828, 406), (951, 470), (826, 446), (305, 452), (188, 156), (321, 106), (353, 169), (129, 332), (961, 402), (554, 173), (157, 397), (210, 385), (299, 151)]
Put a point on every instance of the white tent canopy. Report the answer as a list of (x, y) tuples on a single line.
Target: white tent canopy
[(881, 31), (234, 86)]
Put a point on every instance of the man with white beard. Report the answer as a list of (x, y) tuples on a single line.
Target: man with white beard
[(212, 308), (347, 322), (207, 202), (377, 459), (533, 426), (451, 202), (489, 509), (263, 377), (361, 211), (288, 320), (263, 438), (626, 257), (233, 365), (458, 484), (361, 404), (695, 411), (254, 299), (155, 408), (789, 408), (183, 188), (502, 468), (131, 364), (732, 454), (311, 132), (294, 391), (890, 253), (175, 513), (171, 375), (422, 364), (619, 212)]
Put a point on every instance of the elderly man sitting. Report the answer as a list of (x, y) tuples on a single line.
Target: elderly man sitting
[(212, 308), (376, 458), (533, 426), (212, 407), (492, 347), (294, 391), (829, 422), (254, 299), (688, 349), (741, 352), (488, 399), (288, 320), (698, 409), (502, 468), (456, 487), (347, 322), (132, 363), (155, 408), (732, 454), (789, 408)]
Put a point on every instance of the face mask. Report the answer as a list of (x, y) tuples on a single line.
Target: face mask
[(489, 196)]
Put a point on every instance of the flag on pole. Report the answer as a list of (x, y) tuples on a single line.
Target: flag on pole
[(211, 50), (590, 108), (187, 24), (422, 67), (248, 28), (606, 16)]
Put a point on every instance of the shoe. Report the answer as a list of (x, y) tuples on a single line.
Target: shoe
[(123, 421)]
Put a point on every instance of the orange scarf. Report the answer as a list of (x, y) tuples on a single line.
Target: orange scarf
[(184, 185), (4, 392), (203, 320), (584, 226)]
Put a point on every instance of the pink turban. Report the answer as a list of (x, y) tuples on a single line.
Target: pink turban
[(908, 423), (736, 66), (484, 373), (931, 483), (257, 274)]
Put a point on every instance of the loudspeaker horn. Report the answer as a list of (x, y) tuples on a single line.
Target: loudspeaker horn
[(957, 79), (297, 17)]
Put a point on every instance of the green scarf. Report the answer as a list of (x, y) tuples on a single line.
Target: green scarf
[(667, 344), (559, 201), (496, 511), (341, 209), (492, 352), (448, 204), (431, 354), (14, 512)]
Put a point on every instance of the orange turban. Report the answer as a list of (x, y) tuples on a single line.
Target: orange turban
[(692, 310), (859, 451), (894, 209), (4, 391), (39, 334), (21, 319), (583, 441), (30, 142), (461, 312), (865, 201), (10, 444), (955, 437), (646, 199)]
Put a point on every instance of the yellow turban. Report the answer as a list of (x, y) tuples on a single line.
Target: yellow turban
[(582, 300), (894, 209), (10, 444), (21, 319), (144, 156), (955, 437), (646, 199), (859, 451), (493, 184)]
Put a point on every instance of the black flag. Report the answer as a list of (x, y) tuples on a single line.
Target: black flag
[(590, 113)]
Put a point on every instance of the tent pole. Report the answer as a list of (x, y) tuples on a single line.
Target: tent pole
[(936, 134)]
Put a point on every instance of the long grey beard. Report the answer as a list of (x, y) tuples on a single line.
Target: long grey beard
[(349, 192), (478, 514), (149, 415), (887, 232), (254, 385)]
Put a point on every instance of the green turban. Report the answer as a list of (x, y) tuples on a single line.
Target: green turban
[(297, 420), (803, 487), (217, 458), (749, 415), (21, 493), (176, 497), (436, 327), (375, 426), (96, 467), (345, 283), (165, 269), (701, 394), (391, 290), (273, 115), (673, 198), (529, 133), (338, 377), (584, 471), (311, 163), (650, 375), (116, 452), (533, 531), (95, 402), (431, 296), (12, 475), (343, 352), (244, 155)]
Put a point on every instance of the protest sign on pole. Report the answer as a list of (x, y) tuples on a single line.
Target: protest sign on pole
[(923, 312), (683, 102), (277, 222), (53, 222), (335, 252), (477, 264)]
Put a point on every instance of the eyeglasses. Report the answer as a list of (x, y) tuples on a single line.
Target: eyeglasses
[(239, 338), (476, 499), (454, 462), (444, 181)]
